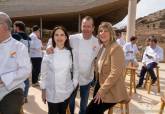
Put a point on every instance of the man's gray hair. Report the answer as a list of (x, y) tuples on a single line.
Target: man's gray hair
[(6, 19)]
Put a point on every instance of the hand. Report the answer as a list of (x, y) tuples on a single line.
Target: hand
[(144, 65), (44, 95), (1, 82), (150, 57), (97, 98), (49, 50)]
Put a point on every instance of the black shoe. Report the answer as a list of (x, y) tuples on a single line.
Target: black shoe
[(154, 80), (138, 86)]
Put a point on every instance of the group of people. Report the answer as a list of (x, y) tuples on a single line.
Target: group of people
[(151, 56), (68, 66)]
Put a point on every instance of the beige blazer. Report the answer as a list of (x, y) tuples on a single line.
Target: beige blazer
[(111, 79)]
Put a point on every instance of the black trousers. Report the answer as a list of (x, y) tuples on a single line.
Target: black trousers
[(12, 102), (58, 108), (94, 108), (36, 68)]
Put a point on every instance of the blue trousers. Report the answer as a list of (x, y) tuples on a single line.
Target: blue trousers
[(26, 89), (84, 94), (150, 69)]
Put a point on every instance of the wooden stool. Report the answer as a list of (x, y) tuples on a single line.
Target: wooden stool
[(68, 110), (131, 71), (162, 105), (149, 81), (123, 106), (21, 111)]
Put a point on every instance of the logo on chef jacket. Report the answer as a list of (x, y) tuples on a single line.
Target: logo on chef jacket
[(13, 54), (94, 48)]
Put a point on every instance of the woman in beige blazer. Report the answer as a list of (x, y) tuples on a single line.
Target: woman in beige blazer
[(109, 66)]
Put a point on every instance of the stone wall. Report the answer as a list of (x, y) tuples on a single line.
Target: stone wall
[(153, 24)]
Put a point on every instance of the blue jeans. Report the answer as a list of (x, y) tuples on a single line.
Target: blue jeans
[(26, 89), (150, 69), (84, 94)]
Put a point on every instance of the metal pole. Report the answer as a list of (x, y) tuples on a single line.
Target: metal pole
[(41, 27), (79, 23)]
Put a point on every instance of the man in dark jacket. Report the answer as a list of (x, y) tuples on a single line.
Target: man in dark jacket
[(20, 35)]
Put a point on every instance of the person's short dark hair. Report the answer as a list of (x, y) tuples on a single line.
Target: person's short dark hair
[(35, 28), (153, 39), (133, 38), (118, 34), (20, 25)]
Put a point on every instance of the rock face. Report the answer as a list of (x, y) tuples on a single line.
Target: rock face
[(153, 24), (64, 12)]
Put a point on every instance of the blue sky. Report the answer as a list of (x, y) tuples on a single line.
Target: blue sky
[(144, 8)]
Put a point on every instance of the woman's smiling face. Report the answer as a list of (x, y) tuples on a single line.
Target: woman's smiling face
[(59, 37), (104, 35)]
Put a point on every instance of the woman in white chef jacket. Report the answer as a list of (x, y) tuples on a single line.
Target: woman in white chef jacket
[(57, 83)]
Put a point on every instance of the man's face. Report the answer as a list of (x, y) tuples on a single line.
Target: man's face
[(2, 30), (87, 28), (38, 33), (152, 43), (15, 28)]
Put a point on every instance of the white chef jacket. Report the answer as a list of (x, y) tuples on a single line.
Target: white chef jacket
[(86, 51), (56, 75), (156, 53), (130, 47), (35, 46), (15, 65)]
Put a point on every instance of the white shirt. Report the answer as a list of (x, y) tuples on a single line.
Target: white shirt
[(86, 51), (130, 47), (35, 46), (120, 41), (15, 65), (156, 53), (56, 75)]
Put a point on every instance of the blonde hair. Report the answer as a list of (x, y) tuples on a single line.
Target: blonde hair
[(108, 26)]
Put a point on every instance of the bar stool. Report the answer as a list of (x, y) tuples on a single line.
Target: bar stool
[(124, 107), (162, 105), (21, 111), (68, 110), (149, 80), (131, 71)]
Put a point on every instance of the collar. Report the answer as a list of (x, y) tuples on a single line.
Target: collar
[(7, 40)]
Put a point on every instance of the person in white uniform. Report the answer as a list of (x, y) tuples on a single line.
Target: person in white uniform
[(35, 54), (120, 40), (57, 82), (86, 47), (130, 52), (151, 57), (15, 68)]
